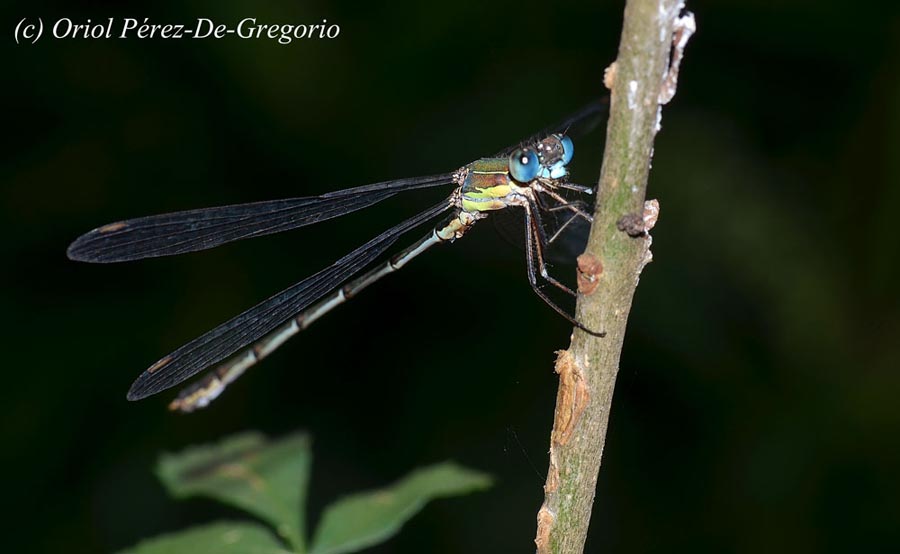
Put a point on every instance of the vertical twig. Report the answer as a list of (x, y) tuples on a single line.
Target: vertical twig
[(642, 78)]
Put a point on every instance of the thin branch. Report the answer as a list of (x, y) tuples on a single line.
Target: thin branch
[(643, 77)]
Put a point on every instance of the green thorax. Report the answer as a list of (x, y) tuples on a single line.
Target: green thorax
[(486, 186)]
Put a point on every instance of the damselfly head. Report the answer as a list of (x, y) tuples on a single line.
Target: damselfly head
[(555, 149), (547, 159), (555, 153)]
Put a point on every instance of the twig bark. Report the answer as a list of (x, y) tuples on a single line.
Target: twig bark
[(643, 77)]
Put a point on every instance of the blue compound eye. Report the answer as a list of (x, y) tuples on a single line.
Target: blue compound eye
[(524, 165), (568, 149)]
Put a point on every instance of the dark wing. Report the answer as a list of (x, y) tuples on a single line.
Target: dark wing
[(248, 327), (191, 230), (580, 122)]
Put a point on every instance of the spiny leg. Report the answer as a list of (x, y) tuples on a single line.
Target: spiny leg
[(536, 226), (561, 229), (532, 277), (574, 206), (577, 207), (565, 204), (576, 188)]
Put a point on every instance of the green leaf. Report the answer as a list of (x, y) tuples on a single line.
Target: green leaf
[(369, 518), (217, 538), (266, 478)]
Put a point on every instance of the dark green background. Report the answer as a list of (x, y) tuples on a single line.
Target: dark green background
[(757, 402)]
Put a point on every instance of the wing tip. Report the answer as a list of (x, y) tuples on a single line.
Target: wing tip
[(138, 391), (146, 384), (80, 250), (76, 253)]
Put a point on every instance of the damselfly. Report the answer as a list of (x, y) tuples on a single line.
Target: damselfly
[(529, 176)]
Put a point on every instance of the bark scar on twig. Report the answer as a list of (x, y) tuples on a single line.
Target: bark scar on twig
[(631, 224), (609, 76), (552, 483), (571, 400), (651, 214), (589, 270), (545, 520), (684, 27), (638, 225)]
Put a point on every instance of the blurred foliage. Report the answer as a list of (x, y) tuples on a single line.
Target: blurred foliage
[(227, 537), (270, 480), (756, 408)]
